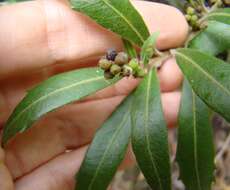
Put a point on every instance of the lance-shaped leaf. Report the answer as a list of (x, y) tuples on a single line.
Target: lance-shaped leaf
[(195, 149), (220, 15), (149, 48), (118, 16), (149, 133), (209, 78), (51, 94), (107, 150), (214, 39)]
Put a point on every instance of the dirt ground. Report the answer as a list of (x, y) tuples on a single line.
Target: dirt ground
[(132, 179)]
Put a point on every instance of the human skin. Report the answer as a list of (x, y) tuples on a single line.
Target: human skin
[(42, 38)]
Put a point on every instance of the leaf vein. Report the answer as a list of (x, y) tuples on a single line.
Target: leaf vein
[(52, 93), (146, 129), (204, 72), (108, 148)]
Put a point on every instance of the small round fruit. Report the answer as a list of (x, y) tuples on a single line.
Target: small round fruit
[(126, 71), (121, 58), (140, 73), (115, 69), (134, 64), (108, 75), (111, 54), (105, 64), (190, 11), (194, 18), (188, 17)]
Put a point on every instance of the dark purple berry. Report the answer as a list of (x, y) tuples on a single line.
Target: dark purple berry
[(111, 54)]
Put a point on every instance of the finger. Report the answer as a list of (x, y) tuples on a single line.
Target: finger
[(60, 131), (6, 182), (51, 34), (57, 174), (12, 91)]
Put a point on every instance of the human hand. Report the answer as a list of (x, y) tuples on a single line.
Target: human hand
[(42, 38)]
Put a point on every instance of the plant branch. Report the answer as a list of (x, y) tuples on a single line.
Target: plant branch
[(223, 149)]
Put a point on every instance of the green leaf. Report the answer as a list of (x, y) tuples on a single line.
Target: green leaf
[(220, 15), (118, 16), (130, 50), (195, 149), (149, 47), (107, 150), (51, 94), (213, 40), (149, 133), (209, 78)]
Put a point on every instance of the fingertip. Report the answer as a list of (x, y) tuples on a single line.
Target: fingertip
[(168, 20), (170, 75)]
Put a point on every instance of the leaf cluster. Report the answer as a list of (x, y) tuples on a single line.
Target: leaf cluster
[(139, 119)]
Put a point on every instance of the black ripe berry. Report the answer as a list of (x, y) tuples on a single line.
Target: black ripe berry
[(111, 54)]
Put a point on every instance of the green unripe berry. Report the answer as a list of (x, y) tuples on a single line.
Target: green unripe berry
[(115, 69), (126, 70), (121, 58), (190, 11), (105, 64), (188, 17), (108, 75), (194, 18), (140, 72), (134, 64)]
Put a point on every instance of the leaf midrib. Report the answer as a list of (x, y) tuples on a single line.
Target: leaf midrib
[(108, 148), (195, 140), (52, 93), (146, 128), (204, 72), (123, 17)]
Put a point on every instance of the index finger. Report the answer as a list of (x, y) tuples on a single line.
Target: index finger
[(37, 34)]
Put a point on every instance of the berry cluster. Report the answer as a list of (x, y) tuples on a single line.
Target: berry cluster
[(114, 63), (192, 18)]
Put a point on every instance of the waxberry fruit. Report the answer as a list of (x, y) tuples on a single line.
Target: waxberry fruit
[(121, 58), (105, 64), (108, 75), (134, 64), (126, 71), (140, 72), (111, 54), (190, 11), (115, 69)]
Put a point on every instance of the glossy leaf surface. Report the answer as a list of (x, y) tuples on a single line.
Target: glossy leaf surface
[(220, 15), (209, 78), (213, 40), (195, 149), (118, 16), (149, 133), (107, 150), (53, 93)]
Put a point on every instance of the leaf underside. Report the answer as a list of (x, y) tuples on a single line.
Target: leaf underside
[(149, 133), (195, 149), (53, 93), (209, 78), (118, 16), (107, 150)]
